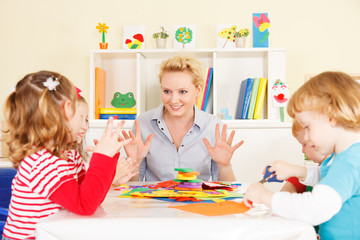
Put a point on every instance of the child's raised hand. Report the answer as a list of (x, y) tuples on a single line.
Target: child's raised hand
[(125, 170), (111, 140), (285, 170)]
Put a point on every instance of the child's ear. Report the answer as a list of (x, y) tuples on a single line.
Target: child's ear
[(68, 111)]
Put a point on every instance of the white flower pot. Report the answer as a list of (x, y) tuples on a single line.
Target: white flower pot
[(160, 43), (240, 42)]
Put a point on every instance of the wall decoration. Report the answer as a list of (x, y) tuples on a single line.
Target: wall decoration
[(184, 36), (280, 96), (225, 36), (102, 29), (134, 37), (261, 25)]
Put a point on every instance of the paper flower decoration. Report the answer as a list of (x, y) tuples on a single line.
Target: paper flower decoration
[(262, 22), (102, 29), (183, 35), (228, 34)]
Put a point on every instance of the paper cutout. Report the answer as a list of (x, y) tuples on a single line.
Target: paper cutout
[(133, 37), (261, 24), (184, 36), (280, 96), (214, 209)]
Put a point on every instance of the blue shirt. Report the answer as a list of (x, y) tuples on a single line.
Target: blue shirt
[(163, 157), (343, 175)]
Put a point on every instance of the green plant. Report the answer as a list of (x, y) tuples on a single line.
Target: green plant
[(243, 32), (163, 33)]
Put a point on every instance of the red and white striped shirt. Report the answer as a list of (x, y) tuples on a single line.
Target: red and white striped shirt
[(44, 183)]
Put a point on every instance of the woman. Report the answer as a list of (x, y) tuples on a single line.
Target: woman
[(177, 128)]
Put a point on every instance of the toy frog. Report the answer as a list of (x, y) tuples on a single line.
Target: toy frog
[(123, 100)]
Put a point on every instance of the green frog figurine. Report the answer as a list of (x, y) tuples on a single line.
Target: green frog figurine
[(123, 100)]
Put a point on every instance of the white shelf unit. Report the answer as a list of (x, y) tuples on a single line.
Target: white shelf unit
[(137, 71)]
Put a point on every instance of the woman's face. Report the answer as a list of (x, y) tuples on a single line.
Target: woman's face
[(178, 93)]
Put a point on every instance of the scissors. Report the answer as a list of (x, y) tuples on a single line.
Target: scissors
[(267, 177)]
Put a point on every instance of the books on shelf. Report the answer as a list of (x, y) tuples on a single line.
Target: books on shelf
[(251, 98), (100, 86), (205, 95), (117, 111), (118, 116)]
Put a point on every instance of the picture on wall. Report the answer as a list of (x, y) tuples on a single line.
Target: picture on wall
[(261, 25), (134, 37), (225, 36), (184, 36)]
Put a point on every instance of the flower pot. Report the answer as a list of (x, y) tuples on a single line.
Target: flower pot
[(240, 42), (160, 43), (103, 45)]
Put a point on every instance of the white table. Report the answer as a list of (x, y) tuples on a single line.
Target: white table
[(144, 218)]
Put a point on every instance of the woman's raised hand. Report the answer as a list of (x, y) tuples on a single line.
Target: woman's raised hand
[(222, 151), (111, 140), (136, 148)]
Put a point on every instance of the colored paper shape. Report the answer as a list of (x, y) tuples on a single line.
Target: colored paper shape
[(123, 100), (134, 37), (261, 25), (225, 36), (280, 93), (214, 209), (184, 36)]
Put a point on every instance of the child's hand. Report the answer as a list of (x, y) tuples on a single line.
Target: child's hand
[(111, 141), (285, 170), (257, 193), (125, 170)]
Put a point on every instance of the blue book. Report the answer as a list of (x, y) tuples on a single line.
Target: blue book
[(241, 99), (208, 89), (245, 109), (119, 116)]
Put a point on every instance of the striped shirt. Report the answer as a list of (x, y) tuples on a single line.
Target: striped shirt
[(38, 176)]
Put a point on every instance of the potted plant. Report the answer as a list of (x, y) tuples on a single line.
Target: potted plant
[(160, 37), (240, 36)]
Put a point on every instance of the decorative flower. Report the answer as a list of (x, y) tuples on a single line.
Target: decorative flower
[(244, 32), (102, 29), (162, 33), (262, 22), (51, 84)]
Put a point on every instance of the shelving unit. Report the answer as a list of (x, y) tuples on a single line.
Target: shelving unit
[(137, 71)]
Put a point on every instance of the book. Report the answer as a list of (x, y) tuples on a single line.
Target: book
[(208, 88), (117, 111), (201, 98), (100, 86), (253, 98), (260, 98), (241, 99), (118, 116), (249, 85)]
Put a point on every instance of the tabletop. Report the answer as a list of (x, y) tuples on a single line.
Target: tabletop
[(148, 218)]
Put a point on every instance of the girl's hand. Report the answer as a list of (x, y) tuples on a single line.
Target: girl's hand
[(136, 147), (222, 151), (257, 193), (111, 141), (285, 170), (125, 170)]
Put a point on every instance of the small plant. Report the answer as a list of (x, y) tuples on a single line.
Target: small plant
[(163, 33), (244, 32)]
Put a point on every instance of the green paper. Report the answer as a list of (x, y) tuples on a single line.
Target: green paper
[(103, 36)]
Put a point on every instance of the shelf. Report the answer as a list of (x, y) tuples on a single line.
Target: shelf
[(137, 71)]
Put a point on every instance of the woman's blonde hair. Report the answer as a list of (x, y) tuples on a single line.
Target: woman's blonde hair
[(35, 116), (184, 63), (334, 94)]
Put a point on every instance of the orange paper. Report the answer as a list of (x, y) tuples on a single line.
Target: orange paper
[(214, 209)]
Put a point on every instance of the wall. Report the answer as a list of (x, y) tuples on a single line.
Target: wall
[(57, 35)]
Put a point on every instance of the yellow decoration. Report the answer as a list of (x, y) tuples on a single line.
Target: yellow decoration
[(183, 177), (102, 28)]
